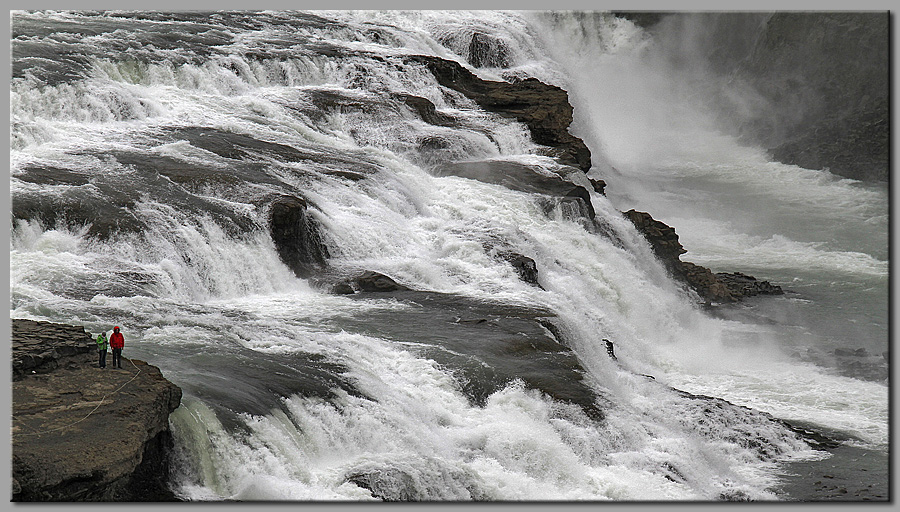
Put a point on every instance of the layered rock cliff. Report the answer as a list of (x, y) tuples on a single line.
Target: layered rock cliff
[(818, 82), (544, 108), (82, 433)]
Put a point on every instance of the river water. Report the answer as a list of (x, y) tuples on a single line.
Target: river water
[(294, 393)]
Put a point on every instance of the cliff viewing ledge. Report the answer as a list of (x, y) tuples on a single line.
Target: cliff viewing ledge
[(82, 433)]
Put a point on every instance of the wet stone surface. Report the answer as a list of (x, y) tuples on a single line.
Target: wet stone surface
[(82, 433)]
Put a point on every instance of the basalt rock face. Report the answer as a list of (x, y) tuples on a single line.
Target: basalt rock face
[(662, 237), (720, 288), (296, 236), (818, 82), (856, 146), (545, 109), (81, 433), (831, 71)]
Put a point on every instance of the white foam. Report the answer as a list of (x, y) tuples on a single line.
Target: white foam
[(442, 234)]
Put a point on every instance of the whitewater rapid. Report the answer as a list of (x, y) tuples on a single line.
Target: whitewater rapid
[(227, 321)]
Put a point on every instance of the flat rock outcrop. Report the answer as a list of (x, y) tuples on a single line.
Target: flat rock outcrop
[(81, 433), (722, 287), (747, 286)]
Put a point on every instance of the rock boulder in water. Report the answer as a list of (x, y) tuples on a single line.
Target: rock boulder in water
[(371, 281), (525, 267), (296, 236), (487, 51), (599, 186), (427, 111)]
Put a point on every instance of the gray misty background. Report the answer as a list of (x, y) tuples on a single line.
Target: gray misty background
[(812, 89)]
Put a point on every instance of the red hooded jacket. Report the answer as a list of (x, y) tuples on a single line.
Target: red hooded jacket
[(116, 340)]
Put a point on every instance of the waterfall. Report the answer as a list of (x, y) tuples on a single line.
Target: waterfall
[(145, 162)]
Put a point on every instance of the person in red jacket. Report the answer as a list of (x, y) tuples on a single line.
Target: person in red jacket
[(117, 343)]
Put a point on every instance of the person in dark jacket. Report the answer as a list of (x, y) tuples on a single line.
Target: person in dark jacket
[(101, 348), (117, 343)]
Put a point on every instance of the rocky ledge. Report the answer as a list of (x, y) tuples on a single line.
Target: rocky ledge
[(543, 108), (81, 433), (712, 287)]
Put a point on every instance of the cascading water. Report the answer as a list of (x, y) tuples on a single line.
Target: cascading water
[(147, 211)]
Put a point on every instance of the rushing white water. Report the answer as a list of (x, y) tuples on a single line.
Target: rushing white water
[(206, 305)]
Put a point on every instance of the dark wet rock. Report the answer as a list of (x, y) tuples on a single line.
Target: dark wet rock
[(525, 267), (487, 51), (342, 289), (521, 177), (237, 146), (427, 111), (326, 101), (641, 18), (859, 352), (52, 176), (486, 345), (388, 484), (599, 186), (81, 433), (478, 47), (734, 495), (194, 176), (296, 236), (108, 206), (662, 237), (370, 281), (392, 483), (105, 210), (742, 285), (260, 383), (718, 288), (367, 281), (543, 108), (107, 203), (703, 281), (746, 427)]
